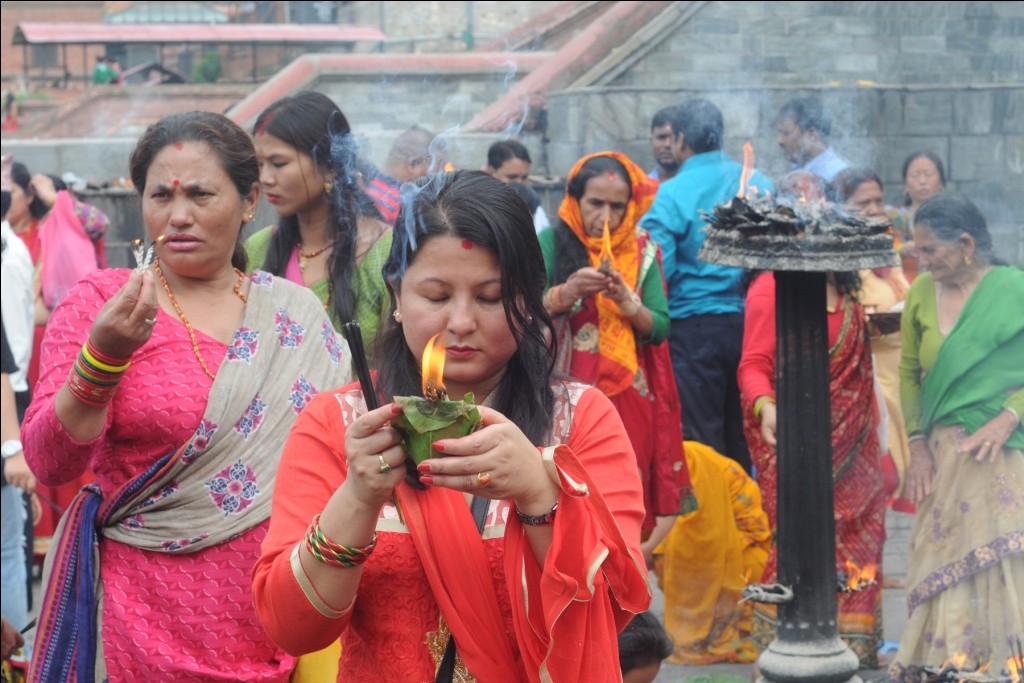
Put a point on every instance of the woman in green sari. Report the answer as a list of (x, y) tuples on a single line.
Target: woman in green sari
[(331, 237), (962, 389)]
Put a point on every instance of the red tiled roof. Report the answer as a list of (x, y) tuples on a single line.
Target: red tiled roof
[(80, 33)]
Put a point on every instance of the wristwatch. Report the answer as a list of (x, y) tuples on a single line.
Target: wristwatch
[(10, 448), (538, 520)]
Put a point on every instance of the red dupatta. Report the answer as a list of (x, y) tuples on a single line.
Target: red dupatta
[(565, 630)]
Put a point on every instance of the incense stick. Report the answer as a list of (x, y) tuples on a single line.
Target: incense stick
[(355, 343)]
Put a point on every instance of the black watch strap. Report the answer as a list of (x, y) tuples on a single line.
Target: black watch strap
[(538, 520)]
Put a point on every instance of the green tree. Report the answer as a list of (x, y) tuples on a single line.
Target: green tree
[(207, 70)]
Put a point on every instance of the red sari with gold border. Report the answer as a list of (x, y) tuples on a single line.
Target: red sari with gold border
[(856, 454)]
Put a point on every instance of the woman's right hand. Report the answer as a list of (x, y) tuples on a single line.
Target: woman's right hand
[(44, 188), (920, 472), (126, 322), (587, 281), (369, 440), (769, 423)]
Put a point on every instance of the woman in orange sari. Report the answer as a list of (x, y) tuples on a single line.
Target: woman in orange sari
[(857, 475)]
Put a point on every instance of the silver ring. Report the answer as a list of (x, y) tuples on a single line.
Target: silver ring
[(384, 466), (150, 321)]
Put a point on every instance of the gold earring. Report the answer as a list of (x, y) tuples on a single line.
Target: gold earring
[(251, 216), (968, 260), (328, 186), (397, 316)]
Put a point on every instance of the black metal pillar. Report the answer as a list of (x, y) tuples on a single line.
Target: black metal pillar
[(807, 647)]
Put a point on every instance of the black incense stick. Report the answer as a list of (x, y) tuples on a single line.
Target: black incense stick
[(355, 342)]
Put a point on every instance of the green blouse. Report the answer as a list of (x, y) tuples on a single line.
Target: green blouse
[(371, 294), (652, 292)]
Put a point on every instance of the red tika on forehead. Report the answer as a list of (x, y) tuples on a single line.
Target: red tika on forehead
[(179, 146), (175, 182), (262, 130), (467, 244)]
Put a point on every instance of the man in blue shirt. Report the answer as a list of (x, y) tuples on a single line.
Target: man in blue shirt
[(803, 129), (705, 300)]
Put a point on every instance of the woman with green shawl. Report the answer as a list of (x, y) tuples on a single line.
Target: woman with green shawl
[(962, 389)]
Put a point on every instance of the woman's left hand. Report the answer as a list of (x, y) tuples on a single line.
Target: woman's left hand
[(625, 298), (988, 441), (496, 461)]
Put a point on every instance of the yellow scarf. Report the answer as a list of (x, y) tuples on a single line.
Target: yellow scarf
[(616, 341)]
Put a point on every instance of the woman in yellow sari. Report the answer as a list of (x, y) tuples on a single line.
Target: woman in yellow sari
[(708, 557)]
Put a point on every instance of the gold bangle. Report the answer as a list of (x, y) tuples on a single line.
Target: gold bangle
[(760, 403), (551, 298)]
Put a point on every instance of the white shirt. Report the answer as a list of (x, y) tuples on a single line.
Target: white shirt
[(17, 294)]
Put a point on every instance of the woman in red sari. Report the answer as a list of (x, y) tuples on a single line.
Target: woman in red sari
[(856, 453), (607, 298)]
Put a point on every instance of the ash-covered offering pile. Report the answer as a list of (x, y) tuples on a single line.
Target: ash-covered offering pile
[(779, 234)]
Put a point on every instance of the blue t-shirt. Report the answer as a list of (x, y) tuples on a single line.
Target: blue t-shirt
[(696, 287)]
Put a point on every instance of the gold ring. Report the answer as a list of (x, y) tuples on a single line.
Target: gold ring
[(483, 479), (384, 466), (987, 444)]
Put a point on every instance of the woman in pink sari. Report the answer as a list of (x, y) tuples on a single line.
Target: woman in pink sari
[(177, 384)]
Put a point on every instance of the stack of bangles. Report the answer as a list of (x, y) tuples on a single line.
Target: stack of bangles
[(760, 403), (94, 377), (335, 554)]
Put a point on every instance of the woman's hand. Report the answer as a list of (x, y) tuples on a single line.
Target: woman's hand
[(44, 188), (920, 472), (18, 474), (586, 282), (625, 298), (375, 459), (988, 441), (769, 423), (496, 461), (126, 322)]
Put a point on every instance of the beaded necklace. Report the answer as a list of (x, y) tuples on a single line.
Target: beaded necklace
[(181, 314), (304, 257)]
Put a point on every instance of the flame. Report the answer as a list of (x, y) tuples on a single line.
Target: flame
[(857, 578), (1015, 672), (983, 668), (955, 661), (748, 167), (433, 369)]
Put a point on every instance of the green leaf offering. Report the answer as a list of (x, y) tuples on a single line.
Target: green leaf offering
[(422, 422)]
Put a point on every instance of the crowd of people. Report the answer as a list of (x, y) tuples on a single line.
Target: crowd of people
[(245, 506)]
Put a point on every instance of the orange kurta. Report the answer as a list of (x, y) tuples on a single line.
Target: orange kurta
[(509, 613)]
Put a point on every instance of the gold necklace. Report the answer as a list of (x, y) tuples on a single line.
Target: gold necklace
[(304, 257), (181, 314)]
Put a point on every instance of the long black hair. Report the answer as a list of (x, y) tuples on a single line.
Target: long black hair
[(314, 125), (474, 206), (570, 253), (20, 174)]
